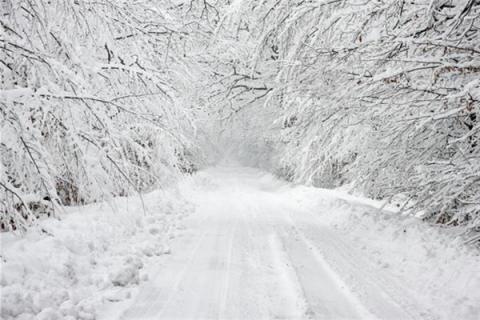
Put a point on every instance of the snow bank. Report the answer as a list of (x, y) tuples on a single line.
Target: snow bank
[(433, 263), (67, 268)]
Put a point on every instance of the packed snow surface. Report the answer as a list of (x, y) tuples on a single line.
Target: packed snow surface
[(248, 246)]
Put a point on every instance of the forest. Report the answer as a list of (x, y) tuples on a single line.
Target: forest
[(113, 98)]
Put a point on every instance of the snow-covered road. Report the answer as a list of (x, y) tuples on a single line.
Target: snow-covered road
[(251, 252)]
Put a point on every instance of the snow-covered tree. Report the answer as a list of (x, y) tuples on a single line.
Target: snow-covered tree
[(103, 98), (95, 101), (382, 93)]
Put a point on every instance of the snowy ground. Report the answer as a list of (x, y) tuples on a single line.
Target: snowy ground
[(252, 248), (68, 268)]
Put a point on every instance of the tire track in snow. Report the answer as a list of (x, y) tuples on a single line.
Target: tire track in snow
[(149, 303), (226, 278), (252, 254), (327, 296), (383, 294), (295, 306), (183, 273)]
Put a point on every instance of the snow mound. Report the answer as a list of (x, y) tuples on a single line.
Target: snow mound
[(66, 268)]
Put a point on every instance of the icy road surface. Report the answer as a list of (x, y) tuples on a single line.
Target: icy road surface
[(251, 252)]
